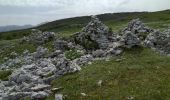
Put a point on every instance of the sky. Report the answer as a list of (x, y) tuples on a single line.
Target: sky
[(21, 12)]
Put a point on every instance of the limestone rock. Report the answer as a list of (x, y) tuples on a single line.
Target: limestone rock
[(40, 52), (130, 39), (159, 41), (99, 53), (60, 45), (39, 95)]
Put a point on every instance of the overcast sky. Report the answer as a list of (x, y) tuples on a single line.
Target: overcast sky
[(20, 12)]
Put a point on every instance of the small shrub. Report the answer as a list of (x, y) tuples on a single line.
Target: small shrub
[(4, 74), (72, 54)]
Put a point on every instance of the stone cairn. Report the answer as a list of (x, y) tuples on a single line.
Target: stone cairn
[(95, 33)]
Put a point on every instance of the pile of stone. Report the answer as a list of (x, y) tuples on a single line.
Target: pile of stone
[(95, 34), (38, 37), (98, 39), (136, 26), (159, 41), (134, 34), (130, 40)]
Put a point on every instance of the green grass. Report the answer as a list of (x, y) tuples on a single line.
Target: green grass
[(142, 74), (4, 74)]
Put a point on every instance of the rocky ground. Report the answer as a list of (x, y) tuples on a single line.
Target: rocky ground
[(33, 72)]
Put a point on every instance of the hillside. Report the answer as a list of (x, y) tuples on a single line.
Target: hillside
[(111, 57)]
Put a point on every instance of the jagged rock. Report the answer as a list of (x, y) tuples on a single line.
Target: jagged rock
[(99, 53), (159, 41), (40, 87), (40, 52), (15, 95), (56, 53), (10, 63), (130, 40), (39, 95), (84, 60), (60, 45), (38, 37), (95, 35), (20, 76)]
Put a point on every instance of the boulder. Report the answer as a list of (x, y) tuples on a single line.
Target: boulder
[(40, 52), (84, 60)]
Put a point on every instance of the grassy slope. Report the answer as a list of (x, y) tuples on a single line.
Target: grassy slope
[(143, 74)]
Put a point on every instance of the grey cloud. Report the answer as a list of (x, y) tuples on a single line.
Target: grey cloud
[(36, 11)]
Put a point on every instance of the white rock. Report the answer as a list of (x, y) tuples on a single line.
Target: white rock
[(58, 97)]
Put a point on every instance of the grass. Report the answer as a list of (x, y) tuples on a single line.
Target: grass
[(142, 74)]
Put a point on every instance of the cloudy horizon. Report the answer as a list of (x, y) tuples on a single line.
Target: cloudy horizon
[(21, 12)]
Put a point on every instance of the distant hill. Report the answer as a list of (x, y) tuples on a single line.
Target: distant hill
[(71, 25), (14, 27)]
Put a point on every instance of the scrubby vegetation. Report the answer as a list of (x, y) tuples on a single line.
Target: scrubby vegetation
[(72, 54), (4, 74)]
